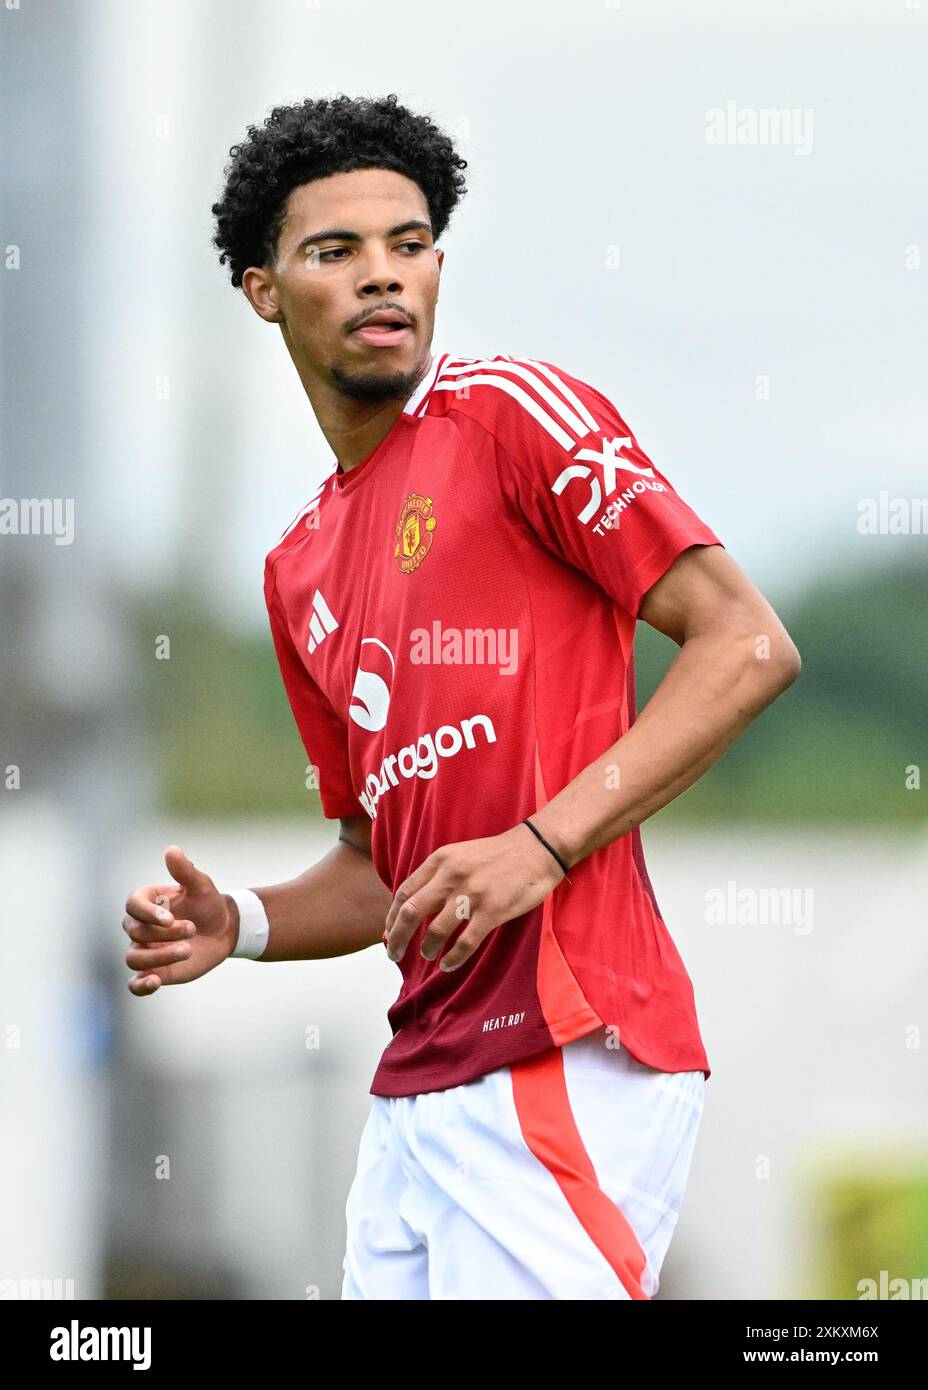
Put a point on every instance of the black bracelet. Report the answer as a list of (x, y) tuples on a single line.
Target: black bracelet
[(548, 847)]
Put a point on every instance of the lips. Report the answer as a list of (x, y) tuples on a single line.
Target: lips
[(385, 328), (387, 318)]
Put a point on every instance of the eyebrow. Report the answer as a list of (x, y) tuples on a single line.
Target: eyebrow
[(342, 234)]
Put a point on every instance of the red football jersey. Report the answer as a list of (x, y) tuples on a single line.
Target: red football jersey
[(454, 621)]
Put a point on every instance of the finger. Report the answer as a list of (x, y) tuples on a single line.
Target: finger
[(405, 891), (150, 978), (442, 928), (476, 931), (186, 872), (144, 984), (144, 958), (425, 902), (145, 935), (416, 880), (151, 903)]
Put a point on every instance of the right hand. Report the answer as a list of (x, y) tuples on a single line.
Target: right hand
[(195, 930)]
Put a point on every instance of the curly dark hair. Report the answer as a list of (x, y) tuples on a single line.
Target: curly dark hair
[(313, 139)]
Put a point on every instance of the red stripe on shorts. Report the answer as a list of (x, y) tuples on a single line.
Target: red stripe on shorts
[(550, 1131)]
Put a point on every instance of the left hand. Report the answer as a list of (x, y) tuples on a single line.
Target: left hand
[(482, 882)]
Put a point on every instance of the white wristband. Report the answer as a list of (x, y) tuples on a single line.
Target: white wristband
[(253, 928)]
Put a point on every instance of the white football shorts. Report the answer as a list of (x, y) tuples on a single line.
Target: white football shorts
[(560, 1176)]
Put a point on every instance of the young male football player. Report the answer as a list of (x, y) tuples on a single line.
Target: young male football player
[(453, 613)]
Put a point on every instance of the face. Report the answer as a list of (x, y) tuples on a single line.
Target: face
[(352, 246)]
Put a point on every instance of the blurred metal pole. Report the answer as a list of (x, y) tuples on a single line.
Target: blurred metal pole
[(64, 720)]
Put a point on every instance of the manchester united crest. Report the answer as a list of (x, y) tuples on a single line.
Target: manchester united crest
[(414, 532)]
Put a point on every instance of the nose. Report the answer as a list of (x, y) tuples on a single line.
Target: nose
[(378, 276)]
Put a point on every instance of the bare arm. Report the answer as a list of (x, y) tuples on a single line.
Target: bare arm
[(333, 909), (735, 658)]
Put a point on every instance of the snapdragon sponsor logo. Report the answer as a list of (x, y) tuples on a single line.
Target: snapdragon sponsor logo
[(370, 696), (764, 125), (892, 516), (422, 758), (732, 906), (76, 1343), (465, 646), (38, 516)]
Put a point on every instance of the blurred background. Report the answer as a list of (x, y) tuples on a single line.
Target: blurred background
[(756, 311)]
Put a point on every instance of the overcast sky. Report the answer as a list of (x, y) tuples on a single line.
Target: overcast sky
[(590, 140)]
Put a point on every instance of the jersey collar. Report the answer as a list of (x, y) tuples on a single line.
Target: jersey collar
[(342, 482), (415, 401)]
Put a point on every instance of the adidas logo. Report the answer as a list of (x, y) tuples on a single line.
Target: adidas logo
[(321, 623)]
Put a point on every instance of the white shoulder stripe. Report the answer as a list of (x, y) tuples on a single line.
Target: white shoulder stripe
[(578, 419), (565, 390), (532, 377), (423, 397), (528, 403)]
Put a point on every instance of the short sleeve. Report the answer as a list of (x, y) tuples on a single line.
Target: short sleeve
[(324, 735), (573, 472)]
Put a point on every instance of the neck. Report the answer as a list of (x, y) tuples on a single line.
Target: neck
[(352, 429), (352, 440)]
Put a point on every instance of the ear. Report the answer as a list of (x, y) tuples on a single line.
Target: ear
[(259, 289)]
